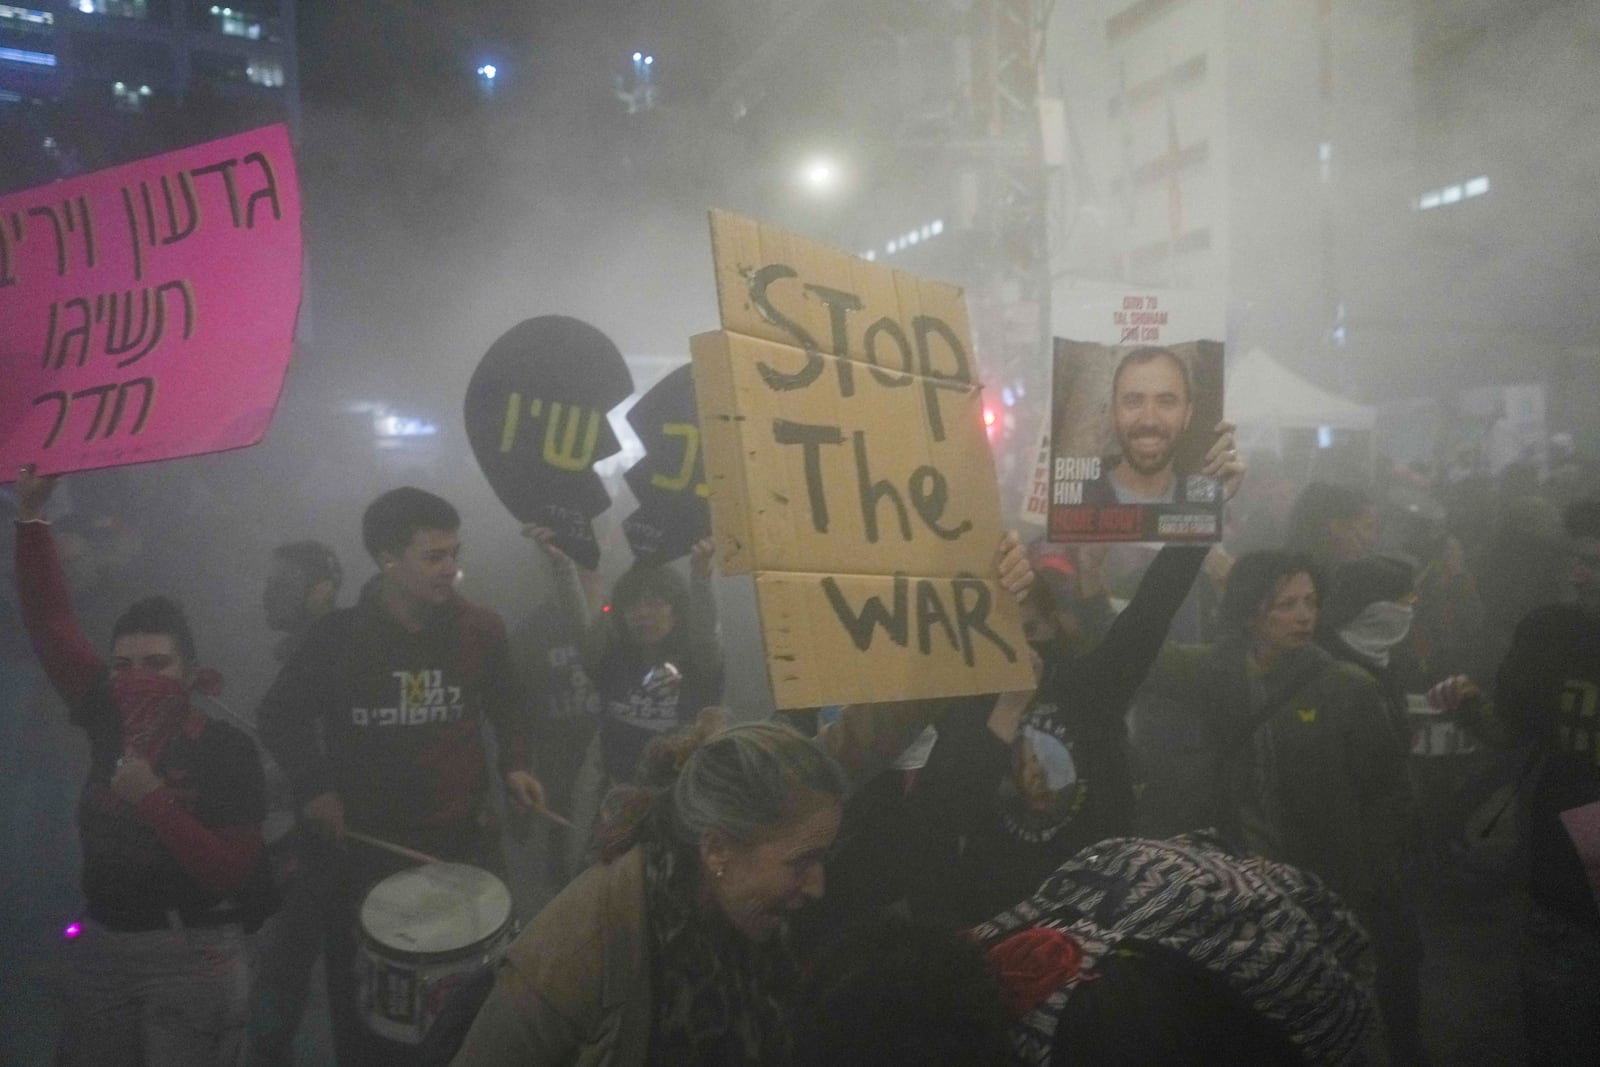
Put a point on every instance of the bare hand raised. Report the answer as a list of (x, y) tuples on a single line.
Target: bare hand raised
[(1223, 461), (33, 492)]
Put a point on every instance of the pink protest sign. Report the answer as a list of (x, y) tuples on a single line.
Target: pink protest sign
[(148, 311)]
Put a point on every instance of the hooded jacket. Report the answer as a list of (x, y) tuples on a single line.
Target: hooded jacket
[(400, 713)]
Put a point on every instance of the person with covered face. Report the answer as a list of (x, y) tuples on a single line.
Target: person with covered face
[(302, 586), (170, 822), (674, 948)]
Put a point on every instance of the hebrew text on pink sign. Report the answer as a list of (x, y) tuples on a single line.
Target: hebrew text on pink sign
[(148, 311)]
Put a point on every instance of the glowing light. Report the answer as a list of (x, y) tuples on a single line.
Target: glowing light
[(988, 417), (1475, 186), (87, 6), (24, 55), (649, 60), (73, 931), (638, 57), (820, 175), (488, 72)]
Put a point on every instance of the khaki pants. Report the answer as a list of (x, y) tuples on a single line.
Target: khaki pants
[(155, 998)]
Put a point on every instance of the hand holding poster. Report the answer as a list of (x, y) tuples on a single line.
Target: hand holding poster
[(850, 473), (1136, 405), (148, 311), (536, 419)]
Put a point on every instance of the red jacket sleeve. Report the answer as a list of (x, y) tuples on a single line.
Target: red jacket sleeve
[(69, 660), (221, 859)]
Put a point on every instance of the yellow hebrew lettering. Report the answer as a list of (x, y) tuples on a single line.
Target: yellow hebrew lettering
[(568, 456), (691, 448)]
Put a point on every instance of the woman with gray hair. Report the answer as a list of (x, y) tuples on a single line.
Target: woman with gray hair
[(673, 949)]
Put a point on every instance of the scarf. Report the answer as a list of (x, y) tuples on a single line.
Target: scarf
[(718, 995), (1379, 627), (153, 709)]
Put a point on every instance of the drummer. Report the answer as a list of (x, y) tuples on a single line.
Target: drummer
[(377, 721)]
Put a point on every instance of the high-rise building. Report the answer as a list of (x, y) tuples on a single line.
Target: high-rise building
[(90, 83)]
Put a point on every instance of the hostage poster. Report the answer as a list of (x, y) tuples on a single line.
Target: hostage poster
[(1136, 396)]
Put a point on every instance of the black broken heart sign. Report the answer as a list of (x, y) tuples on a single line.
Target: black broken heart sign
[(670, 481), (536, 417)]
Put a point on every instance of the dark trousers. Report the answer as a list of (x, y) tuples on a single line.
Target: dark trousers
[(1560, 977), (354, 869), (286, 951)]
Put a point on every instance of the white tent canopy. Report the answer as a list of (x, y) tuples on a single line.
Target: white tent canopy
[(1261, 392)]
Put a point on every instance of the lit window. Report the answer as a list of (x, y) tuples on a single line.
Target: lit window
[(125, 97), (31, 16), (24, 55), (125, 9), (267, 73), (1475, 186), (231, 23)]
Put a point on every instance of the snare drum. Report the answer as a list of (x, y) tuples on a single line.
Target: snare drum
[(424, 932)]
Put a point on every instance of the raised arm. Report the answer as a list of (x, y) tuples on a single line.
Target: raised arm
[(576, 598), (69, 660), (704, 645)]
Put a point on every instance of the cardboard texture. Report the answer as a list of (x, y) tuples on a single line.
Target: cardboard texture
[(850, 472)]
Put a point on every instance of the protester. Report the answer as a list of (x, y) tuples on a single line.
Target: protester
[(302, 586), (398, 687), (672, 949), (170, 822), (564, 716), (653, 656), (1547, 696), (1014, 787), (1332, 524), (1368, 615), (1134, 952), (1302, 762)]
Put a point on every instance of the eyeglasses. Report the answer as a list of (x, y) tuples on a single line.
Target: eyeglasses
[(157, 662)]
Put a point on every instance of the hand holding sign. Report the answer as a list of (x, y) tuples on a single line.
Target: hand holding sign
[(536, 418)]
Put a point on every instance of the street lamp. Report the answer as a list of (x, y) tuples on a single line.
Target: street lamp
[(819, 175)]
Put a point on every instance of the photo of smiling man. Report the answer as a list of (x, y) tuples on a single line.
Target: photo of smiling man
[(1132, 429)]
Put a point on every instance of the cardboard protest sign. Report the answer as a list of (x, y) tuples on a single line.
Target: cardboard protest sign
[(851, 474), (670, 481), (536, 418), (148, 311), (1135, 402)]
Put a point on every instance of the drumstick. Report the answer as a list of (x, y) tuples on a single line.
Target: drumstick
[(553, 817), (389, 846)]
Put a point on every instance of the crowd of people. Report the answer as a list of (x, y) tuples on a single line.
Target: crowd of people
[(1196, 839)]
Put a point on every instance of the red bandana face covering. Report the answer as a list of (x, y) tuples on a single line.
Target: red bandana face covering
[(153, 708)]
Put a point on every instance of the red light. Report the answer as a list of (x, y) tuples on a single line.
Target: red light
[(988, 416), (605, 609)]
